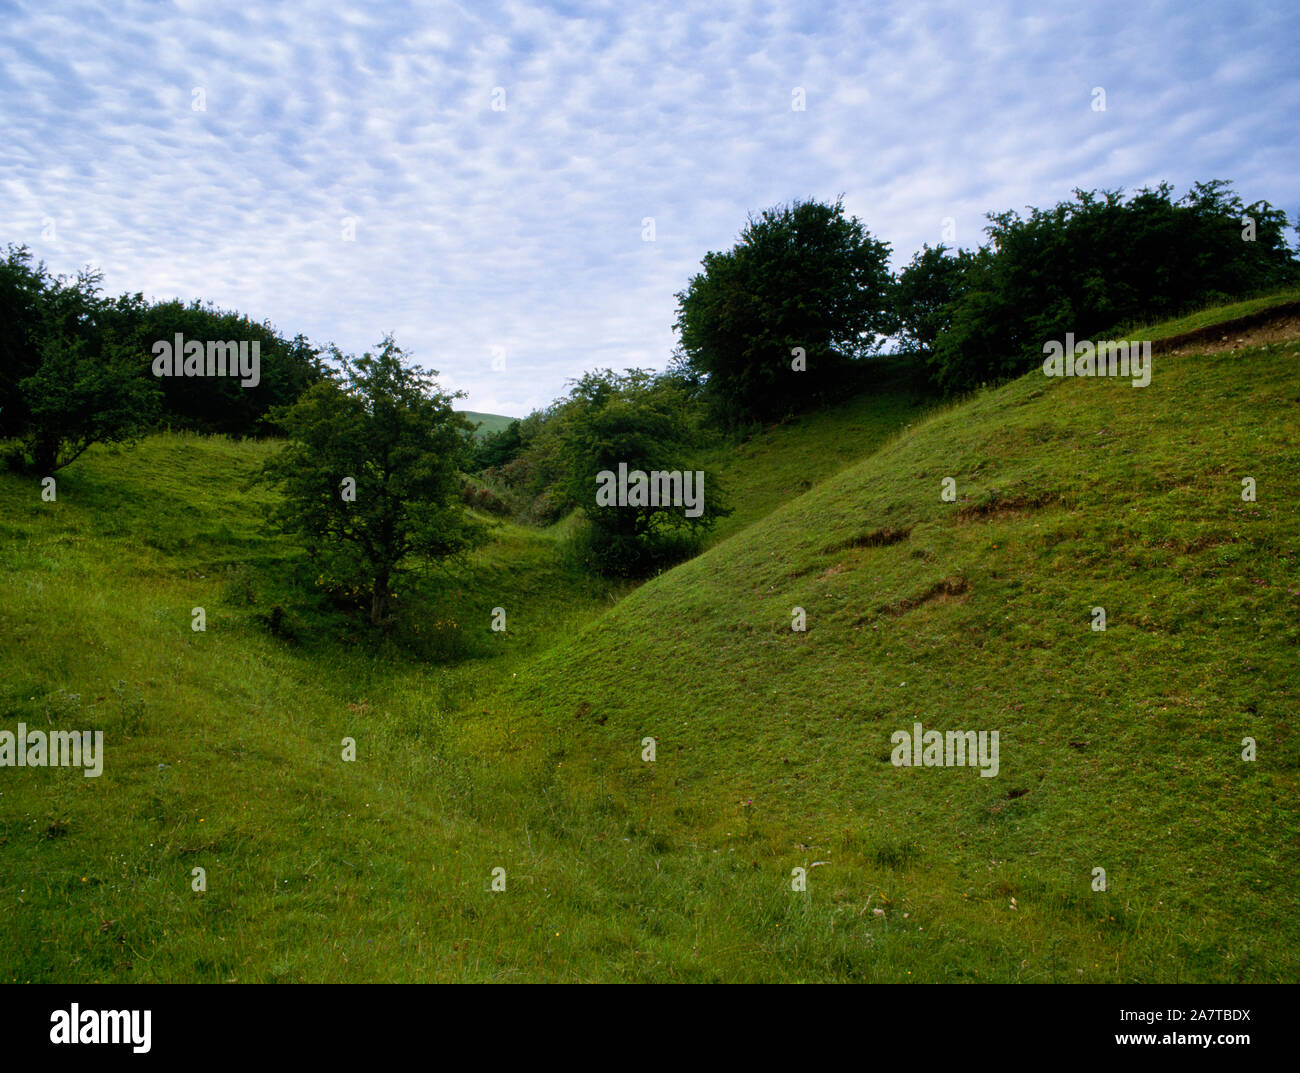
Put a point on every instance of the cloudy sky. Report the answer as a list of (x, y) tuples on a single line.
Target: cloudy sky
[(478, 177)]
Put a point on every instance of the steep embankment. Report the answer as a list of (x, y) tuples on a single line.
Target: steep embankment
[(1119, 750)]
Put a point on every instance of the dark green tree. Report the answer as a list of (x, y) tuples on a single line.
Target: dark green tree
[(88, 385), (22, 290), (1097, 262), (371, 474), (802, 276), (926, 292), (223, 404), (643, 423), (494, 449)]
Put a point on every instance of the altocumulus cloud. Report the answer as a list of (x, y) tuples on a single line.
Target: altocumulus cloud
[(521, 228)]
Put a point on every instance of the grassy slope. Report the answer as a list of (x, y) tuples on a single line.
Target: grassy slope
[(1202, 318), (618, 869), (224, 747), (488, 422), (760, 472), (1119, 749)]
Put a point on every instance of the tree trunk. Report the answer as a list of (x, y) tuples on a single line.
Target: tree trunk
[(379, 597), (45, 456)]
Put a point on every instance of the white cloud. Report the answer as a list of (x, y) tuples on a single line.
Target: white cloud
[(522, 228)]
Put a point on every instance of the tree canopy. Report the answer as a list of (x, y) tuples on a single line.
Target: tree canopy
[(773, 325), (1098, 261), (370, 475)]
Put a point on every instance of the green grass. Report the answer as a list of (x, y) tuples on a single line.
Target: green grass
[(1072, 494), (760, 471), (488, 422), (1118, 749)]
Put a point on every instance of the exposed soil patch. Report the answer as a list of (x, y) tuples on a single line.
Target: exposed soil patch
[(998, 806), (948, 589), (584, 710), (877, 538), (1275, 325), (998, 506)]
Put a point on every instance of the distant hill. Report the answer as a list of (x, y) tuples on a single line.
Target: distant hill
[(488, 422)]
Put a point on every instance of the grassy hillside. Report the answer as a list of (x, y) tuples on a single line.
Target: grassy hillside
[(1213, 314), (224, 747), (488, 422), (1118, 749), (777, 464)]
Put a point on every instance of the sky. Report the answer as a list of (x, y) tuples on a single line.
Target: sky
[(519, 190)]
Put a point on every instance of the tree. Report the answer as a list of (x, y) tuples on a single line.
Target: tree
[(22, 289), (225, 404), (76, 368), (805, 285), (89, 385), (926, 291), (629, 424), (370, 476), (495, 449)]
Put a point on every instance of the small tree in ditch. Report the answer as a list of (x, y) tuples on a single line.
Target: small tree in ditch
[(370, 475)]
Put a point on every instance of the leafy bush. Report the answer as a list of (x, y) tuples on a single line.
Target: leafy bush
[(623, 555), (71, 375), (926, 291), (477, 496), (495, 449), (76, 366)]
